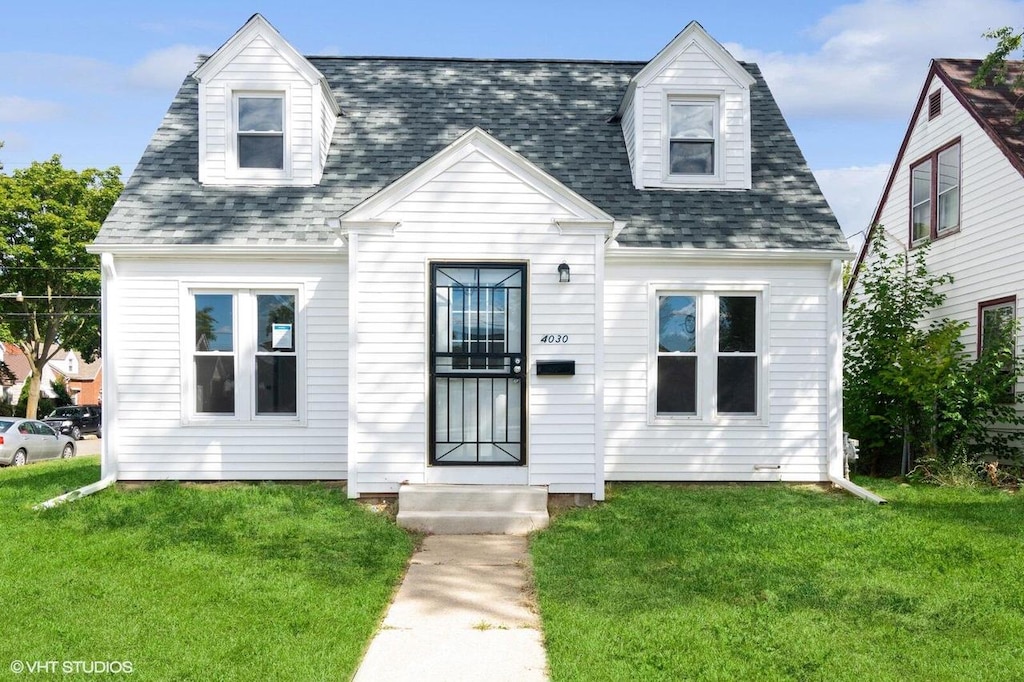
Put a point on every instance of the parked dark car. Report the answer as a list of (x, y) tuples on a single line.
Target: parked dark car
[(26, 440), (76, 420)]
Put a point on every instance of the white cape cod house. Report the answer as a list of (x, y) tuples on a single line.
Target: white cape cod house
[(527, 272)]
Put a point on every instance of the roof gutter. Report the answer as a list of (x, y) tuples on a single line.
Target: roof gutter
[(220, 250), (618, 252)]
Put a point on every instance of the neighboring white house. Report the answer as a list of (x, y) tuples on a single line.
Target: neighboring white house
[(958, 185), (544, 272)]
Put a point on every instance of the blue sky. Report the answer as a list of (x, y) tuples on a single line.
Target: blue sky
[(91, 81)]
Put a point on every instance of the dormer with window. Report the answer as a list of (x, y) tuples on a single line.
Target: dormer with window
[(686, 117), (266, 115)]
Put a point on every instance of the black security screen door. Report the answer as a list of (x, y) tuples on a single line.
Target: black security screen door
[(477, 329)]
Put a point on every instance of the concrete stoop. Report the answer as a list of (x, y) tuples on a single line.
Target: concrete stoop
[(472, 509)]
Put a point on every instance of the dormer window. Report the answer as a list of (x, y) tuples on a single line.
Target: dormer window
[(260, 130), (692, 137)]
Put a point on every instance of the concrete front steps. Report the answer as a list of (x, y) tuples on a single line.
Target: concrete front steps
[(472, 509)]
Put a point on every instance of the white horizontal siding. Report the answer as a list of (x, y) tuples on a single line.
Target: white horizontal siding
[(985, 256), (151, 440), (794, 438), (628, 123), (475, 211)]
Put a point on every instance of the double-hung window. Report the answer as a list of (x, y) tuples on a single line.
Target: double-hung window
[(245, 361), (214, 356), (692, 137), (708, 355), (677, 354), (259, 126), (935, 194)]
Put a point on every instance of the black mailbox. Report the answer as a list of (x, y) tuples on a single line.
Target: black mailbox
[(556, 367)]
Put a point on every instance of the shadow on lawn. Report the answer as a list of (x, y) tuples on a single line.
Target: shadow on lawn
[(309, 529), (36, 483)]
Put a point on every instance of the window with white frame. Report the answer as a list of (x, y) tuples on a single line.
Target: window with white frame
[(692, 137), (245, 360), (677, 354), (259, 129), (708, 354)]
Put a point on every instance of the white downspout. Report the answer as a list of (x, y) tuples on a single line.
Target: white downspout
[(76, 494), (108, 320), (836, 450)]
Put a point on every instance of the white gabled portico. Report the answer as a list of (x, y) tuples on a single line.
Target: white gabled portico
[(455, 301)]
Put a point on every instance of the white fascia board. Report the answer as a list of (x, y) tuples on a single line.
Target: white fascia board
[(694, 33), (571, 226), (220, 251), (476, 140), (257, 27), (628, 253), (378, 227)]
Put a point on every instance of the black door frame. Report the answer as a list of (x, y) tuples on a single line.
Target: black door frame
[(520, 375)]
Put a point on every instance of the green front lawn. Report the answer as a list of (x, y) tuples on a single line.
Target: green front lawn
[(785, 583), (231, 582)]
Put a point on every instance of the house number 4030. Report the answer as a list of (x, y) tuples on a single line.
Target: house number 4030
[(555, 338)]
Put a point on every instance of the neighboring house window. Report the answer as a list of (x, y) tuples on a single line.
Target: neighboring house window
[(935, 194), (260, 131), (693, 134), (997, 323), (245, 361), (708, 355)]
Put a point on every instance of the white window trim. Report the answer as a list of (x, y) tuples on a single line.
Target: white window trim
[(245, 314), (697, 97), (707, 353), (233, 170)]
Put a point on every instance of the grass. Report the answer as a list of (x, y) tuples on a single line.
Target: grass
[(785, 583), (232, 582)]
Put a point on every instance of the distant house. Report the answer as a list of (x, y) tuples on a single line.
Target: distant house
[(18, 369), (522, 272), (958, 184), (84, 380)]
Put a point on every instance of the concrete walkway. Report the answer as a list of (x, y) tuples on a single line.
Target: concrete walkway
[(465, 611)]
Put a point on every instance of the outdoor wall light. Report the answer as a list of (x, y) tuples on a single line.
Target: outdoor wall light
[(563, 273)]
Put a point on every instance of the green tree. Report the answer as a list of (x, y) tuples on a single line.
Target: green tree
[(48, 215), (894, 363), (911, 391), (998, 68)]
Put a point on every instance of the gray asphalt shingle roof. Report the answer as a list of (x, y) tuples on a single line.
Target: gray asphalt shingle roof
[(398, 112)]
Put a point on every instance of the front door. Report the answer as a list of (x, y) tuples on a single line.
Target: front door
[(477, 364)]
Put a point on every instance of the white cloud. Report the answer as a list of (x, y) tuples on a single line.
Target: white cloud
[(853, 194), (15, 109), (165, 68), (55, 72), (873, 55)]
